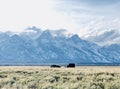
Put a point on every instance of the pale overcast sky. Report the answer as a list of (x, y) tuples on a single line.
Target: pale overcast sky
[(77, 16)]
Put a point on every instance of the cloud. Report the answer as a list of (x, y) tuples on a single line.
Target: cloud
[(91, 2), (94, 18), (84, 17), (17, 15), (59, 32), (33, 28), (106, 38), (34, 32)]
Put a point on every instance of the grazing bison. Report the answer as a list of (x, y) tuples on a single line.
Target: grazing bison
[(71, 65), (55, 66)]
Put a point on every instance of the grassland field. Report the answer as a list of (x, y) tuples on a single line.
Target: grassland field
[(44, 77)]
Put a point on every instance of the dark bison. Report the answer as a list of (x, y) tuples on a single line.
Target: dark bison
[(71, 65), (55, 66)]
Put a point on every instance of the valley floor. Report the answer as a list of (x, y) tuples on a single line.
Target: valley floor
[(44, 77)]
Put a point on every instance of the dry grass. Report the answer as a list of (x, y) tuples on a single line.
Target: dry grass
[(44, 77)]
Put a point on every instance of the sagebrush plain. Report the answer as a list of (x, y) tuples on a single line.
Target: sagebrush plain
[(44, 77)]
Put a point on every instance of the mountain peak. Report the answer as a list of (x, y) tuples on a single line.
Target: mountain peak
[(46, 34), (75, 38), (15, 38)]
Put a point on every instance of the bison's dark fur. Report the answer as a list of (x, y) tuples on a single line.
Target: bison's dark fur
[(71, 65), (55, 66)]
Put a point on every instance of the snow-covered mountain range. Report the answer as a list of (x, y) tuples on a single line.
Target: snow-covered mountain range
[(49, 47)]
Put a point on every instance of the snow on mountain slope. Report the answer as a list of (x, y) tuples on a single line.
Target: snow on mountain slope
[(112, 52), (3, 37), (16, 49), (90, 49)]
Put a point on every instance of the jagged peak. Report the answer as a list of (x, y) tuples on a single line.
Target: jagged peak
[(75, 38), (46, 34), (15, 38)]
